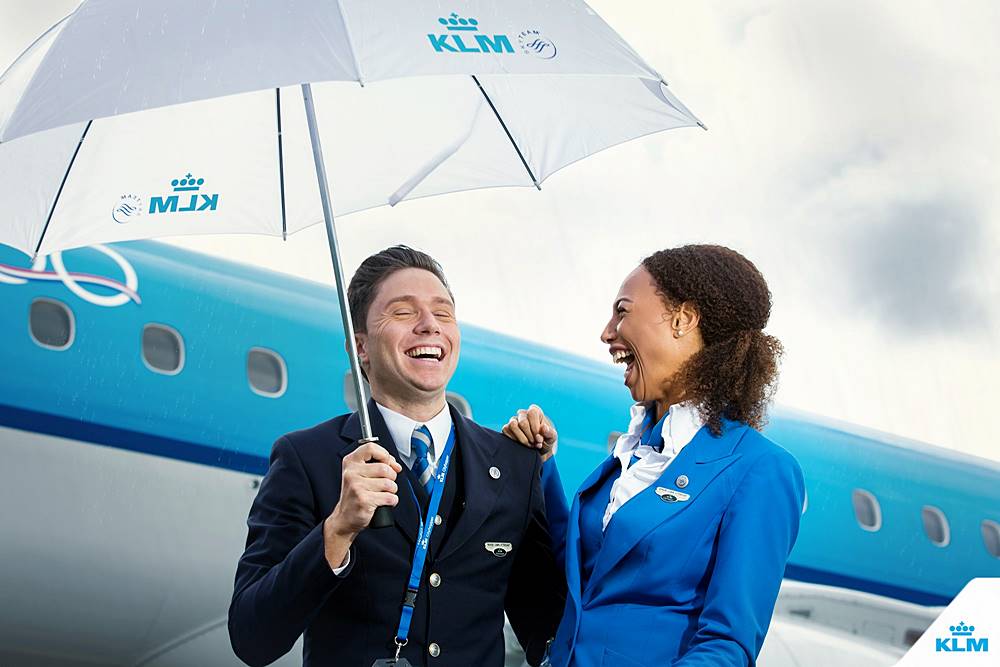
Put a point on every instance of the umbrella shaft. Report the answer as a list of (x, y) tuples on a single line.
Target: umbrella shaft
[(331, 235)]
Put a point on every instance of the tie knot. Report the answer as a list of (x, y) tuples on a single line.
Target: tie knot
[(421, 440)]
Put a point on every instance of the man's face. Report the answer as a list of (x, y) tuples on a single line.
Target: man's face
[(411, 349)]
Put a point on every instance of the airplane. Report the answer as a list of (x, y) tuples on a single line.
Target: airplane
[(144, 385)]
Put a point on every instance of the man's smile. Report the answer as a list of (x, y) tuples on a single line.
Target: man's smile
[(432, 353)]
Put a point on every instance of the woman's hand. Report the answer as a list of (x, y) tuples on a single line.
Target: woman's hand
[(533, 429)]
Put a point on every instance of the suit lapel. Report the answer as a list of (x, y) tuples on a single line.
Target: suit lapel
[(405, 515), (573, 528), (481, 490), (573, 551), (701, 461), (598, 474)]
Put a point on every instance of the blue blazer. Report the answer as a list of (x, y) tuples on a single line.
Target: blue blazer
[(684, 583)]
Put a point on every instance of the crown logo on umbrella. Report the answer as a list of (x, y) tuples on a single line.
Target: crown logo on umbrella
[(453, 22), (187, 184)]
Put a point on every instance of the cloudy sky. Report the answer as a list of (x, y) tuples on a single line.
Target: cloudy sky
[(852, 154)]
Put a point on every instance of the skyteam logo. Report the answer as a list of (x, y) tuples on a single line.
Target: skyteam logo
[(961, 640), (129, 206), (463, 36), (535, 44), (182, 203)]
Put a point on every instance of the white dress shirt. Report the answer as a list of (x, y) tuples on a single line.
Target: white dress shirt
[(401, 430), (679, 428)]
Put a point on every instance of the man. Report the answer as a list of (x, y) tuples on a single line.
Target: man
[(310, 565)]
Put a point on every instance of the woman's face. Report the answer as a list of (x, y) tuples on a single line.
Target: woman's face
[(642, 335)]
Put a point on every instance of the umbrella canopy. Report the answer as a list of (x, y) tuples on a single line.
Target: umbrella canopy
[(452, 97)]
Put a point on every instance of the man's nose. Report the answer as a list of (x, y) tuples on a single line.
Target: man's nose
[(427, 323)]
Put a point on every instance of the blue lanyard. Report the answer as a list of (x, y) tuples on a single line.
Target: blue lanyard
[(423, 543)]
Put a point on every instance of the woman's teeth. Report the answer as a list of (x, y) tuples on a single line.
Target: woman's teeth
[(623, 357), (626, 357)]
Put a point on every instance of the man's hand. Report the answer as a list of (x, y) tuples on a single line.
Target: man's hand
[(364, 487), (533, 429)]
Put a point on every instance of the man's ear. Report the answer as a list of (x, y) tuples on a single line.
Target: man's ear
[(361, 341)]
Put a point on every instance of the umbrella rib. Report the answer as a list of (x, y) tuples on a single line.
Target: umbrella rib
[(61, 185), (32, 45), (509, 135), (281, 166), (350, 43)]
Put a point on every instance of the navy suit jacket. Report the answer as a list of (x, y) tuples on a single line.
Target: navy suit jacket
[(686, 583), (285, 587)]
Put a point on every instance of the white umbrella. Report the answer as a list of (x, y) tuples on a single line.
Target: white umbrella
[(132, 120)]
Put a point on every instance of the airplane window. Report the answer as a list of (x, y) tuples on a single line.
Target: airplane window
[(162, 349), (936, 526), (613, 440), (51, 324), (267, 372), (867, 510), (460, 404), (911, 636), (991, 537)]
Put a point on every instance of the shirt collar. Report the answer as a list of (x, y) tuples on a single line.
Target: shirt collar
[(679, 428), (401, 429)]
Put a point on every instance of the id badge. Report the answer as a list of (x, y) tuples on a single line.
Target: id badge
[(392, 662)]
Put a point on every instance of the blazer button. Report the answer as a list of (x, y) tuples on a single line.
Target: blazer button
[(435, 579), (682, 481), (437, 519), (434, 650)]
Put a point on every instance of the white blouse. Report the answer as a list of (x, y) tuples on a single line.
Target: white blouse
[(679, 428)]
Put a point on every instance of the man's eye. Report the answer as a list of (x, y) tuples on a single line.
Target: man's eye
[(444, 314), (402, 313)]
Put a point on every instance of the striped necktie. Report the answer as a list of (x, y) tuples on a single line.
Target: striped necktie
[(421, 442)]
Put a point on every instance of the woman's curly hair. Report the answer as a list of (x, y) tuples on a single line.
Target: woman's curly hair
[(735, 375)]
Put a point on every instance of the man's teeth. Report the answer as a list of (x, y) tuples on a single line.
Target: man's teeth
[(435, 352), (623, 356)]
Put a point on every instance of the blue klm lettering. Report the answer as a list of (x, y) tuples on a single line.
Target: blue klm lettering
[(484, 44), (951, 645), (170, 204)]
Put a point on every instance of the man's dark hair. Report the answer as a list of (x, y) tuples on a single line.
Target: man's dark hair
[(365, 283)]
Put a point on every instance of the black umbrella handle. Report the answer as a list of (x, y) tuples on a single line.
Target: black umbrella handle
[(382, 518)]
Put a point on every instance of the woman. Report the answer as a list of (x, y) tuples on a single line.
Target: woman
[(675, 547)]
